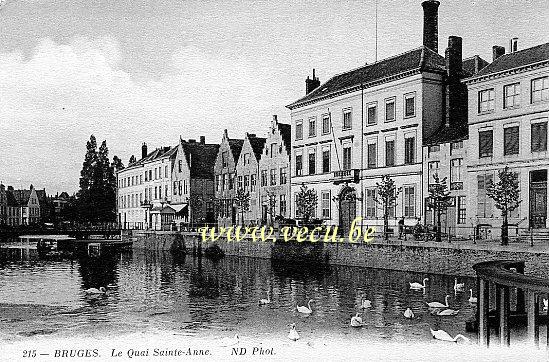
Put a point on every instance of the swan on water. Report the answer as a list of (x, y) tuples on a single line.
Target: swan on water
[(438, 304), (356, 321), (408, 313), (293, 335), (447, 312), (226, 342), (417, 285), (305, 309), (265, 301), (471, 298), (545, 304), (444, 336), (366, 304), (101, 290), (458, 287)]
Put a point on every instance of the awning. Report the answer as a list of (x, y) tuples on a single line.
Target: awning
[(167, 209), (178, 207)]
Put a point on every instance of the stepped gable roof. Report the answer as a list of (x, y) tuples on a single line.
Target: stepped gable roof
[(201, 157), (236, 147), (446, 134), (518, 59), (286, 133), (422, 59), (257, 144)]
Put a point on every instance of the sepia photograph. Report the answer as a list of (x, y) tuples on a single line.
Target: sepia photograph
[(283, 180)]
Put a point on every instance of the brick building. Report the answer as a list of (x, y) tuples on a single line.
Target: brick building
[(3, 205), (23, 206)]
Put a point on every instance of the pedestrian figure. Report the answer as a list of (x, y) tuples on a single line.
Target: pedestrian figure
[(400, 227)]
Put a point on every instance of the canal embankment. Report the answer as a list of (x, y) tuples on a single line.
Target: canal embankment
[(456, 258)]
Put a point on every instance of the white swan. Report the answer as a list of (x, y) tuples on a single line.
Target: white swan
[(416, 285), (226, 342), (545, 304), (438, 304), (265, 301), (447, 312), (408, 313), (356, 321), (101, 290), (471, 298), (458, 287), (444, 336), (293, 335), (305, 309), (366, 304)]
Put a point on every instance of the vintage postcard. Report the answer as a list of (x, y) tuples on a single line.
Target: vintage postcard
[(277, 180)]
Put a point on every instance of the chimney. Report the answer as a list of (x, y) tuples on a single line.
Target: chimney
[(203, 139), (143, 150), (251, 135), (455, 92), (454, 57), (513, 45), (497, 51), (192, 140), (311, 84), (430, 24)]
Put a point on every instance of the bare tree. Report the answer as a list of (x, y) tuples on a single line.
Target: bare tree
[(386, 196), (242, 201), (506, 195), (439, 200)]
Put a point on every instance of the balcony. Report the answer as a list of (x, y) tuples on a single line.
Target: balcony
[(342, 176), (456, 185), (145, 204)]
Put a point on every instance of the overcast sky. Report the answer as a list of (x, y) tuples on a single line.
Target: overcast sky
[(133, 71)]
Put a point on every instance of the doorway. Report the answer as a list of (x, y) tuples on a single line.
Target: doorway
[(347, 209), (538, 198)]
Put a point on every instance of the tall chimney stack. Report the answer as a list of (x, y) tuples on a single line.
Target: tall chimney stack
[(497, 51), (456, 94), (144, 150), (513, 45), (430, 24), (203, 139), (311, 84)]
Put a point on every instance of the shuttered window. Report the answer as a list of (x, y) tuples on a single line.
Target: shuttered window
[(511, 141), (390, 153), (539, 137), (484, 203), (372, 155), (485, 143), (410, 150)]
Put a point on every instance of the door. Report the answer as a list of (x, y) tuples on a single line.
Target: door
[(347, 209), (538, 198)]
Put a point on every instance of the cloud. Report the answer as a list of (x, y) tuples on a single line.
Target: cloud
[(54, 99)]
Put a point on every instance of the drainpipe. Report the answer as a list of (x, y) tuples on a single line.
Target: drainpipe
[(361, 156)]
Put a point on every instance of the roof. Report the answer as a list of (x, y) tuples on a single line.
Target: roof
[(473, 65), (517, 59), (42, 197), (420, 59), (446, 134), (236, 147), (154, 155), (257, 144), (11, 198), (21, 197), (286, 133), (201, 157)]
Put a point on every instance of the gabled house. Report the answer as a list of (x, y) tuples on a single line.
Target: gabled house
[(247, 173), (23, 206), (224, 173)]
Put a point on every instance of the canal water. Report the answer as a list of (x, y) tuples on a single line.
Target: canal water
[(182, 295)]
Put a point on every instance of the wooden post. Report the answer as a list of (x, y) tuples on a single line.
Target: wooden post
[(503, 300), (520, 307), (533, 308), (483, 309)]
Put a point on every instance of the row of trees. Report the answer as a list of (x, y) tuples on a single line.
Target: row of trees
[(505, 193)]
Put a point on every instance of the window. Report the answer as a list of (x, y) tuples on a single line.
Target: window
[(175, 187), (511, 141), (224, 158), (389, 110), (264, 177), (370, 203), (231, 181), (326, 126), (160, 172), (372, 155), (298, 166), (166, 171), (485, 143), (182, 187), (372, 114), (140, 179), (326, 204), (225, 182), (347, 157), (409, 150), (433, 168), (462, 210), (511, 95), (409, 201), (274, 147), (283, 205), (240, 182), (155, 173), (312, 162), (409, 105), (299, 130), (539, 137), (252, 182), (180, 165), (347, 119), (455, 146), (150, 175), (455, 170), (433, 149), (283, 176), (389, 152), (156, 192), (484, 203), (486, 100), (312, 127), (246, 159), (540, 90), (166, 190), (326, 161), (246, 182), (217, 180), (273, 176)]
